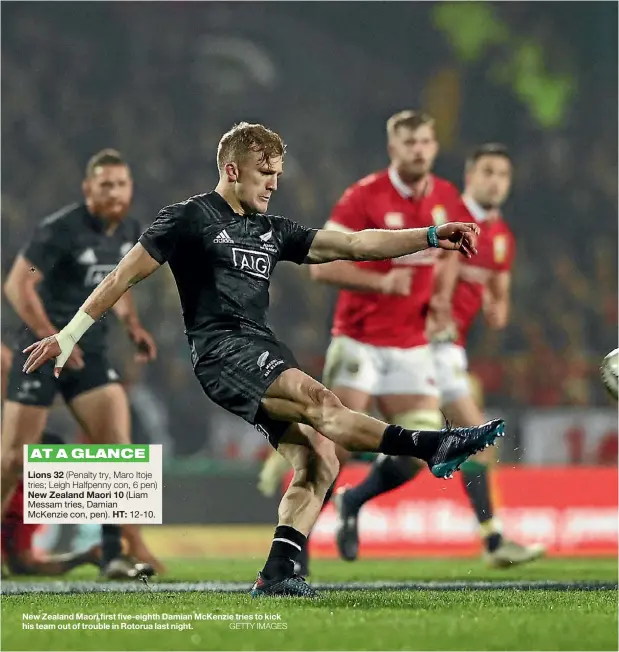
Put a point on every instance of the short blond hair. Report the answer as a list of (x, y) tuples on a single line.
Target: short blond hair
[(409, 119), (245, 138)]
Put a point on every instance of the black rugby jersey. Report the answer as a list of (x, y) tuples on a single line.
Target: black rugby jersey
[(74, 254), (222, 263)]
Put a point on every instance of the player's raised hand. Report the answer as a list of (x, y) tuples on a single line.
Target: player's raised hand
[(50, 348), (460, 236), (397, 281)]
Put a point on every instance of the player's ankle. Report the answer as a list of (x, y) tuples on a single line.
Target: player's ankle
[(401, 441), (277, 568), (285, 550)]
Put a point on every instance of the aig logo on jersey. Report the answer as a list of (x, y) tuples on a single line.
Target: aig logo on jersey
[(255, 263), (94, 273)]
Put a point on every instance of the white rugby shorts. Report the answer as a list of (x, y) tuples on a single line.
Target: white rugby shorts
[(380, 370), (451, 366)]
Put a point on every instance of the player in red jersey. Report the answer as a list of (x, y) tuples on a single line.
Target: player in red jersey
[(380, 353), (481, 286)]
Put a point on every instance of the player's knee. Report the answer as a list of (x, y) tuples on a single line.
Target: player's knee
[(419, 420)]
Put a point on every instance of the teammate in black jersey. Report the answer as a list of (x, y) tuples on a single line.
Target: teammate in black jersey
[(70, 253), (222, 248)]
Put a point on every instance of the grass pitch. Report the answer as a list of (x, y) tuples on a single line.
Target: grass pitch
[(498, 617)]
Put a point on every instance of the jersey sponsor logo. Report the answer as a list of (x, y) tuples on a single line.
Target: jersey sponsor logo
[(499, 244), (126, 248), (87, 257), (223, 238), (394, 220), (254, 263), (439, 215), (96, 273)]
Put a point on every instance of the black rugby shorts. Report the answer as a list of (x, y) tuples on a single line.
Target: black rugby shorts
[(236, 374), (39, 388)]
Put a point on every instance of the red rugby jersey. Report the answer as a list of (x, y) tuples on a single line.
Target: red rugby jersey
[(382, 201), (496, 249)]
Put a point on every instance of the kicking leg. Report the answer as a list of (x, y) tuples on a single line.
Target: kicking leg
[(296, 397)]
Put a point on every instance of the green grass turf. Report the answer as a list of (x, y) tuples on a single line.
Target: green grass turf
[(368, 620), (244, 570)]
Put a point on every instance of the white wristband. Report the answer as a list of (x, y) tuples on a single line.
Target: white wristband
[(68, 337)]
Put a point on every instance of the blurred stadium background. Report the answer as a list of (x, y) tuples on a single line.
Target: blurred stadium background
[(162, 81)]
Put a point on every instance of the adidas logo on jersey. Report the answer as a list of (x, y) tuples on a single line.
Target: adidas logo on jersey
[(87, 257), (223, 238)]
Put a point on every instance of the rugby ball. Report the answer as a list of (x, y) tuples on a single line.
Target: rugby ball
[(609, 370)]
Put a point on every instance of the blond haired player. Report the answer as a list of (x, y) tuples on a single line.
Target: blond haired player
[(380, 353), (222, 247)]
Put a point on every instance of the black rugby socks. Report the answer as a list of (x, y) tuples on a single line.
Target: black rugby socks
[(414, 443), (285, 550), (477, 487), (387, 473)]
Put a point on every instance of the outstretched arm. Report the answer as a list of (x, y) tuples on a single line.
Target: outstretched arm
[(134, 267), (378, 244)]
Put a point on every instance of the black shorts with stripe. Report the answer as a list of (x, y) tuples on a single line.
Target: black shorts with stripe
[(237, 373)]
